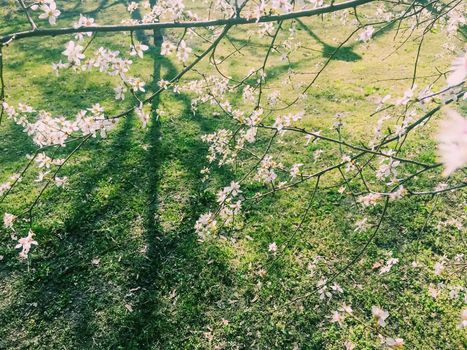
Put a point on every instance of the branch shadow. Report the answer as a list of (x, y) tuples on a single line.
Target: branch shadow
[(345, 53), (115, 239)]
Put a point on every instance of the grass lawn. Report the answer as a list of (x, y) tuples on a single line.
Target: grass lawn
[(119, 265)]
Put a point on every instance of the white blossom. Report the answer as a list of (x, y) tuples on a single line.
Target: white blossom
[(295, 170), (380, 315), (366, 35), (138, 49), (361, 225), (166, 48), (458, 71), (137, 84), (394, 342), (463, 323), (183, 51), (74, 52), (61, 181), (50, 12), (452, 139), (272, 247), (369, 199), (205, 225), (336, 317), (132, 6), (120, 92)]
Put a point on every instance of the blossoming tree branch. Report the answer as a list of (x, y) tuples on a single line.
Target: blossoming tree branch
[(371, 170)]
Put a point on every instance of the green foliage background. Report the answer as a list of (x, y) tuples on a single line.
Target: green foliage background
[(119, 265)]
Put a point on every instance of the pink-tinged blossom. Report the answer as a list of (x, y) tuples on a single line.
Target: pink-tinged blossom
[(369, 199), (23, 108), (164, 84), (463, 323), (74, 52), (380, 315), (205, 225), (389, 264), (25, 244), (137, 84), (38, 3), (166, 48), (57, 66), (316, 3), (361, 225), (272, 247), (337, 288), (346, 308), (438, 268), (138, 49), (322, 287), (452, 139), (120, 92), (295, 170), (434, 291), (143, 116), (458, 70), (408, 95), (394, 342), (183, 51), (61, 181), (282, 5), (50, 12), (96, 110), (132, 6), (83, 22), (9, 110), (336, 317), (367, 34), (8, 220), (398, 194)]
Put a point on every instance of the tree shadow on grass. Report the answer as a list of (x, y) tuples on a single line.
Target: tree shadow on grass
[(115, 275), (76, 10), (345, 53), (106, 278)]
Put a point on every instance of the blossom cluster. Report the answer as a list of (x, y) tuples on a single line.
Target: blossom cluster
[(47, 130)]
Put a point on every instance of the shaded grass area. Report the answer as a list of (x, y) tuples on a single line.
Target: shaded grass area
[(119, 265)]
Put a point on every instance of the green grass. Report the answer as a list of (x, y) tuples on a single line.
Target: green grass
[(118, 264)]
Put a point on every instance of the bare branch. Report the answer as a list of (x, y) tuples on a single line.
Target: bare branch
[(26, 11), (217, 22)]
